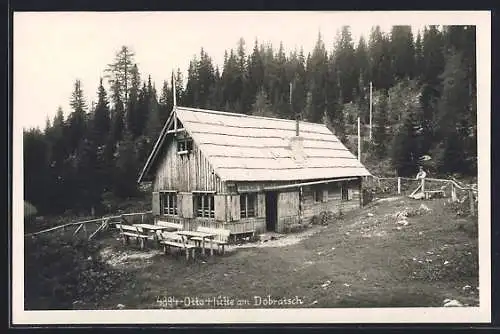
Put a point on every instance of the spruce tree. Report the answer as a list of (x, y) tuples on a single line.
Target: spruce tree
[(362, 59), (76, 126), (380, 61), (455, 120), (380, 123), (36, 174), (405, 150), (347, 71), (402, 52), (101, 118), (127, 169), (261, 106), (133, 111), (317, 68)]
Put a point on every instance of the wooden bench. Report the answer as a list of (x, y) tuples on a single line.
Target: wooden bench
[(221, 238), (129, 231), (239, 235), (172, 226), (172, 239)]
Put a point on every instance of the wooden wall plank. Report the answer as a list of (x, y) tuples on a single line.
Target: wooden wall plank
[(234, 208), (185, 173), (261, 205), (155, 205), (187, 205), (220, 207)]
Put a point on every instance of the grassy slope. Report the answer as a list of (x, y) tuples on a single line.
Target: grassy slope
[(368, 261)]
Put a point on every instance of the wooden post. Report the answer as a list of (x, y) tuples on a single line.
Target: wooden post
[(471, 203), (453, 193), (360, 192), (85, 230), (359, 140), (371, 104), (423, 186), (399, 185)]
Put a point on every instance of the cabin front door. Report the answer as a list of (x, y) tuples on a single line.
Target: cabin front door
[(271, 210)]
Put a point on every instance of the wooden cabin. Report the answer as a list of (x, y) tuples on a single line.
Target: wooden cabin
[(242, 173)]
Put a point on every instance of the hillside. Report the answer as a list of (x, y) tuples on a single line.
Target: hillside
[(373, 257)]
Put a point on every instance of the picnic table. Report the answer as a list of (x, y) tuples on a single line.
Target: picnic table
[(199, 236), (152, 230)]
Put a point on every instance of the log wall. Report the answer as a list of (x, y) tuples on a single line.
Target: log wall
[(185, 173), (332, 199)]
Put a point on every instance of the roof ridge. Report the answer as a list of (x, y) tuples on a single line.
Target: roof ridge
[(218, 112)]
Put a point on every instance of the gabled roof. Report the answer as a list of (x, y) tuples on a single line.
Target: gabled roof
[(250, 148)]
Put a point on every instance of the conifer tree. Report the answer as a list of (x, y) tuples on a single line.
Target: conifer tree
[(76, 127), (381, 121), (347, 71), (261, 106), (455, 120), (405, 145), (101, 118), (125, 176), (402, 52), (317, 68), (119, 75)]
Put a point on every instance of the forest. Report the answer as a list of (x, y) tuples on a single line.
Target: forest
[(424, 105)]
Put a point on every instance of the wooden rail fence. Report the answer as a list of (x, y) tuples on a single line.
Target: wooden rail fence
[(452, 188), (98, 225)]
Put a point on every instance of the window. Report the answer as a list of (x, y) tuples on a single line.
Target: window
[(168, 203), (248, 205), (204, 205), (184, 146)]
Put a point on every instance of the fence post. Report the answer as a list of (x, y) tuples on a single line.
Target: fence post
[(85, 230), (399, 185), (453, 193), (471, 202), (423, 187)]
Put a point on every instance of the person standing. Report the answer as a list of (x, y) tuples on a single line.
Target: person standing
[(421, 176)]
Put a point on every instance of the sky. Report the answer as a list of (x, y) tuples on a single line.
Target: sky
[(53, 49)]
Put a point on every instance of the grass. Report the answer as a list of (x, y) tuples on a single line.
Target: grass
[(360, 261)]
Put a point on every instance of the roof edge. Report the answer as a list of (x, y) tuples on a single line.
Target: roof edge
[(156, 147), (218, 112)]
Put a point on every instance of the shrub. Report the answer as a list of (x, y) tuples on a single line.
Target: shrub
[(61, 271)]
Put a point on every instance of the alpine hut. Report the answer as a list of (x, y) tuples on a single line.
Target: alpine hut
[(247, 173)]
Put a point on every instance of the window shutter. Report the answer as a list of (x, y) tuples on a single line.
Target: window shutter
[(261, 205), (187, 205), (155, 205), (220, 207), (178, 198), (235, 208)]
